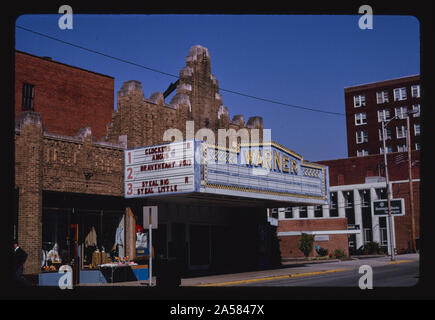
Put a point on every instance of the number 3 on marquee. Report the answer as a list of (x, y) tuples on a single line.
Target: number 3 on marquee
[(129, 188)]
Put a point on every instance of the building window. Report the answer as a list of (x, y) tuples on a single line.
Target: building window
[(360, 118), (401, 112), (303, 212), (417, 146), (318, 212), (359, 101), (362, 136), (348, 199), (416, 129), (273, 213), (382, 97), (399, 94), (415, 91), (333, 205), (349, 207), (387, 136), (416, 109), (381, 193), (365, 198), (401, 132), (362, 153), (402, 148), (383, 115), (28, 95), (389, 150), (288, 213)]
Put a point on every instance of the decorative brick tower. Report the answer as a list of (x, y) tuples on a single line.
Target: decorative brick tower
[(197, 81), (144, 120)]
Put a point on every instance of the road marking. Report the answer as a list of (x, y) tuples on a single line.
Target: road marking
[(294, 275), (400, 261)]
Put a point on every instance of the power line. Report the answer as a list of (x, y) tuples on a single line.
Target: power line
[(175, 76), (97, 52)]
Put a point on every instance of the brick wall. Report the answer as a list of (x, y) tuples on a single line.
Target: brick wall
[(402, 224), (289, 244), (354, 170), (45, 161), (66, 97), (28, 178)]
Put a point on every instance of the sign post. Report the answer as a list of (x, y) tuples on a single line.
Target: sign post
[(150, 250), (150, 219)]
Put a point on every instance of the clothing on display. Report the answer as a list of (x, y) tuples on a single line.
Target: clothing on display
[(119, 238), (103, 256), (91, 238), (44, 258), (96, 258)]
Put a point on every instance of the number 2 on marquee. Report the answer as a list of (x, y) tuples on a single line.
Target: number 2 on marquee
[(130, 173)]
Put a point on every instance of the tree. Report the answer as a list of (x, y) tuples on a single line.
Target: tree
[(306, 243)]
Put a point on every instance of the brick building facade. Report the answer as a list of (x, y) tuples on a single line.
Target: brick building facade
[(364, 177), (69, 154), (368, 104), (358, 180), (290, 231), (68, 98)]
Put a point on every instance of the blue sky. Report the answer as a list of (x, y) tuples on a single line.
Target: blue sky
[(303, 60)]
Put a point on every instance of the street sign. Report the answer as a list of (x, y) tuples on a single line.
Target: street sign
[(146, 217), (320, 237), (380, 207)]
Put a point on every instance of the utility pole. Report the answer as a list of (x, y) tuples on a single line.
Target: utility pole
[(411, 189), (390, 218)]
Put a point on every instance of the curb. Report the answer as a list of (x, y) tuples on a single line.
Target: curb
[(400, 261), (294, 275)]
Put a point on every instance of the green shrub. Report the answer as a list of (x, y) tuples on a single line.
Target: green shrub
[(322, 252), (338, 253), (373, 247), (306, 244)]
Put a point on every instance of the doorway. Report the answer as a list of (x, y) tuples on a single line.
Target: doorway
[(199, 247)]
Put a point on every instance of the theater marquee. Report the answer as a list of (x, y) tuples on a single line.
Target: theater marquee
[(157, 170), (262, 171)]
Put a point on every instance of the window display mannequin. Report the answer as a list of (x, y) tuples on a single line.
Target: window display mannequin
[(119, 238), (91, 238), (53, 254), (90, 245)]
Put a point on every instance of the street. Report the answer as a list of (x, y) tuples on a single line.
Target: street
[(403, 273)]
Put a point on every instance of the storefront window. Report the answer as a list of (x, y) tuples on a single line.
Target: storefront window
[(84, 238)]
